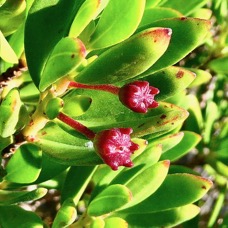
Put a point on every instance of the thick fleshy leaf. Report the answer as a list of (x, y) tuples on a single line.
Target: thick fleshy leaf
[(12, 14), (202, 77), (189, 141), (41, 36), (75, 191), (25, 164), (150, 155), (97, 222), (169, 141), (12, 197), (177, 190), (170, 81), (141, 189), (87, 12), (187, 34), (110, 199), (153, 14), (111, 27), (115, 222), (67, 149), (66, 56), (188, 8), (142, 162), (66, 215), (168, 218), (50, 169), (18, 216), (80, 103), (9, 113), (152, 3), (127, 59), (6, 52), (212, 114), (195, 121), (16, 42), (155, 122), (5, 142), (219, 65)]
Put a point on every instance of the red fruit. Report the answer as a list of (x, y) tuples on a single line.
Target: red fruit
[(138, 96), (115, 147)]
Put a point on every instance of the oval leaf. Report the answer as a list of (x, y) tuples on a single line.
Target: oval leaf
[(111, 27), (66, 56), (188, 31), (168, 218), (189, 141), (141, 189), (25, 164), (9, 113), (170, 81), (109, 200), (115, 222), (18, 216), (12, 197), (6, 52), (66, 148), (128, 59), (66, 215), (43, 32), (177, 190), (87, 12)]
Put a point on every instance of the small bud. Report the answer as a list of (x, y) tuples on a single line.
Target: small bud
[(138, 96), (115, 147)]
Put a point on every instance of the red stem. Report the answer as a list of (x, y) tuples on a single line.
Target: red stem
[(76, 125), (104, 87)]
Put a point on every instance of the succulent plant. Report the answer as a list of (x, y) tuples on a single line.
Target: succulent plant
[(107, 110)]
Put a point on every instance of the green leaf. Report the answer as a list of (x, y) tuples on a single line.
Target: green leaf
[(148, 158), (155, 122), (9, 113), (189, 141), (12, 14), (150, 155), (83, 176), (87, 12), (14, 216), (212, 113), (25, 164), (127, 59), (66, 148), (111, 27), (188, 8), (12, 197), (195, 121), (43, 32), (66, 56), (5, 142), (152, 3), (168, 218), (80, 103), (219, 65), (187, 34), (49, 169), (115, 222), (170, 81), (146, 182), (202, 77), (54, 107), (169, 141), (66, 215), (97, 222), (109, 200), (176, 190), (6, 52), (153, 14)]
